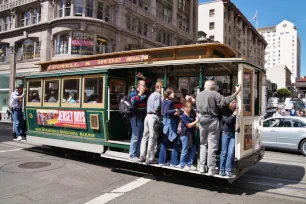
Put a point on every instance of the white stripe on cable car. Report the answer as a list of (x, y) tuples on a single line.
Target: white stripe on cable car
[(106, 197), (10, 150)]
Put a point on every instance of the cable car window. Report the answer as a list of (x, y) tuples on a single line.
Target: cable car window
[(117, 91), (247, 92), (51, 91), (34, 92), (93, 90), (71, 91)]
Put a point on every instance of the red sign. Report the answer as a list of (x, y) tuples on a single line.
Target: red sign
[(101, 62), (82, 43), (62, 118)]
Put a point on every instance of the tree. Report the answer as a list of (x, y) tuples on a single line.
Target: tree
[(284, 92)]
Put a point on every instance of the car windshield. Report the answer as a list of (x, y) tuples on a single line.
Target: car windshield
[(272, 100)]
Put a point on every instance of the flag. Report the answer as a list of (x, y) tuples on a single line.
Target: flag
[(255, 16)]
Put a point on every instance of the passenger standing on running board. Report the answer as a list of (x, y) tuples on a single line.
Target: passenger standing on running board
[(209, 103), (151, 126), (138, 98), (16, 105)]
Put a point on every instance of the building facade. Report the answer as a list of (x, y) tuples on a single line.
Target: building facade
[(222, 21), (280, 75), (284, 47), (44, 30)]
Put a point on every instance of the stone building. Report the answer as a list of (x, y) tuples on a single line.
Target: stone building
[(43, 30), (222, 21)]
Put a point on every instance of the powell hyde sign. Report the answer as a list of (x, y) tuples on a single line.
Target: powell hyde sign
[(101, 62)]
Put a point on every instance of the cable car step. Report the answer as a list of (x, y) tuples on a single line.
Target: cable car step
[(125, 157)]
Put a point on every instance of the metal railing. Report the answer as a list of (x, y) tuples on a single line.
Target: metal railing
[(15, 3)]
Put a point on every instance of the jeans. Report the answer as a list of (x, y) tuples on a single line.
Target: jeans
[(137, 132), (228, 152), (18, 122), (163, 151), (150, 136), (187, 158)]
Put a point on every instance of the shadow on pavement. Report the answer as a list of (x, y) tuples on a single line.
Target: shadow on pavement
[(6, 132)]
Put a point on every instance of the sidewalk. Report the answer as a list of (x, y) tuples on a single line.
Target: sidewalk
[(6, 121)]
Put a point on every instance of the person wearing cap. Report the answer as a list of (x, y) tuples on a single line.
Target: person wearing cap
[(209, 104), (16, 106)]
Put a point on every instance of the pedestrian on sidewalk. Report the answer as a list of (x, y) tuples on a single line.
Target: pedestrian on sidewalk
[(293, 111), (151, 126), (16, 105)]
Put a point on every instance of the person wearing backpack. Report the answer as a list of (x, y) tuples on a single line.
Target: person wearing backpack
[(169, 130), (138, 99), (151, 126), (188, 124)]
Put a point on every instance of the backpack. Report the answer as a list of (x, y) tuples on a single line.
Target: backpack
[(126, 109)]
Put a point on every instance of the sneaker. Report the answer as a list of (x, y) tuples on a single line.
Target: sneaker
[(178, 166), (165, 164), (134, 159), (151, 161), (141, 159), (229, 174), (173, 165), (192, 168), (202, 169), (19, 138), (211, 172), (221, 173), (186, 168)]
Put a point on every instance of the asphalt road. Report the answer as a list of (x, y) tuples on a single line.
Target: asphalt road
[(279, 178)]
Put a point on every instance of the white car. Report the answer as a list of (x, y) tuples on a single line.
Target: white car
[(285, 132)]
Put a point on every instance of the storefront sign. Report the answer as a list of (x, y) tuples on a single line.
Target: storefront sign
[(62, 118), (101, 62)]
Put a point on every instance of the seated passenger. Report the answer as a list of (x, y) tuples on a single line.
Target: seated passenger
[(94, 98), (65, 97), (187, 138), (35, 97), (52, 98), (72, 97), (228, 139)]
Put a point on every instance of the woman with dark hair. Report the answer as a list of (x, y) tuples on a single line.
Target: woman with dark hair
[(169, 129)]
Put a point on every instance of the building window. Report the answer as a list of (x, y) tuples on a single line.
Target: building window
[(89, 8), (4, 52), (67, 7), (28, 49), (212, 37), (78, 7), (36, 16), (104, 11), (211, 26), (211, 12), (60, 8), (144, 4), (229, 29), (163, 37), (62, 42), (79, 43), (164, 13), (181, 4)]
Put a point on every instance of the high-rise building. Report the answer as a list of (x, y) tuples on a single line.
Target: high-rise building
[(44, 30), (222, 21), (284, 47)]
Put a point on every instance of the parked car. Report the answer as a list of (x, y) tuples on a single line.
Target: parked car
[(273, 102), (285, 132)]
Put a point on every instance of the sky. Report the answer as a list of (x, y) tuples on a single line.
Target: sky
[(272, 12)]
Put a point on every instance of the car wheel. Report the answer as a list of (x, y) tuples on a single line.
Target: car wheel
[(303, 147)]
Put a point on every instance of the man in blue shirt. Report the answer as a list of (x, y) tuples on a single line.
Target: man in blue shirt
[(16, 105), (151, 126)]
